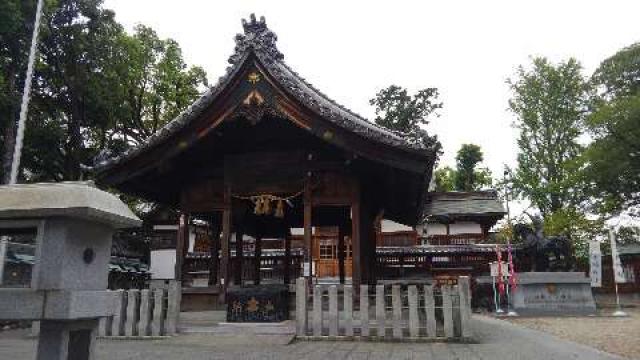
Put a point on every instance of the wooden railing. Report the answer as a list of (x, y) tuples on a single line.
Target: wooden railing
[(457, 239), (384, 311), (271, 266), (397, 265)]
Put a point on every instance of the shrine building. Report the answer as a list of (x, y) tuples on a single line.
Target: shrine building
[(270, 176)]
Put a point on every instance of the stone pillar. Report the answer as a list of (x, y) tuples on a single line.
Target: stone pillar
[(65, 340)]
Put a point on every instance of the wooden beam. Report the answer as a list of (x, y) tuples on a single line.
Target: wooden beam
[(237, 271), (214, 251), (258, 256), (226, 236), (287, 258), (341, 252), (356, 249), (308, 255), (181, 246)]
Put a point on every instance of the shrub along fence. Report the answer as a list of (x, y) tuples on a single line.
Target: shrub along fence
[(384, 311), (142, 313)]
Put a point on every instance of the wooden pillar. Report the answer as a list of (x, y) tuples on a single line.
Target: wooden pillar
[(258, 255), (363, 244), (226, 236), (356, 249), (287, 258), (181, 247), (214, 251), (308, 255), (341, 252), (237, 271)]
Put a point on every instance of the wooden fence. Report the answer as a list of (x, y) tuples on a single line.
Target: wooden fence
[(142, 313), (384, 311)]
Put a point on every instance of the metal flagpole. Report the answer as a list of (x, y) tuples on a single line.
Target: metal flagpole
[(618, 275), (495, 294), (17, 150)]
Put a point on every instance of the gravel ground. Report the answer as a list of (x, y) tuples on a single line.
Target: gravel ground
[(495, 340), (619, 336)]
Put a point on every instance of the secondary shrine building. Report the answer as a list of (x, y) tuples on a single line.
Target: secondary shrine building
[(269, 175)]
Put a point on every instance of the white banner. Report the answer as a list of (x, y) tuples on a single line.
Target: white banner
[(306, 269), (618, 271), (493, 266), (595, 262)]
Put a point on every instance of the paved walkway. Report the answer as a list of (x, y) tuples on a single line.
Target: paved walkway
[(496, 340)]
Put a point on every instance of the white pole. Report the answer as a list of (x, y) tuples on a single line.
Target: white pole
[(17, 151), (615, 261)]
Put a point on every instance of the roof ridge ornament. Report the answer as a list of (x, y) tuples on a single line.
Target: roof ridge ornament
[(257, 37)]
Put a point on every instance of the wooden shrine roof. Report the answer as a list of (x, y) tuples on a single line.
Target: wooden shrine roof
[(454, 205), (260, 41)]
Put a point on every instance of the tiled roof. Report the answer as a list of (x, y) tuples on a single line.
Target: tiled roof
[(629, 249), (456, 204), (261, 41)]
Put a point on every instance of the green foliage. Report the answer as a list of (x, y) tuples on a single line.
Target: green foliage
[(467, 176), (397, 110), (95, 86), (574, 224), (504, 234), (550, 103), (156, 86), (16, 25), (619, 75), (444, 179), (613, 157), (628, 235)]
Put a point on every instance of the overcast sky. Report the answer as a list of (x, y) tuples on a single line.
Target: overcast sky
[(352, 49)]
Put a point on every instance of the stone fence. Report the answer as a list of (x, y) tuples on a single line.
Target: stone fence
[(143, 313), (382, 312)]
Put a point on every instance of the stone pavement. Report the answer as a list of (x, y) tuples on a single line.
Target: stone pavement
[(496, 340)]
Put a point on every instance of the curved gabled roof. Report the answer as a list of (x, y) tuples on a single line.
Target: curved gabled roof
[(458, 204), (261, 41)]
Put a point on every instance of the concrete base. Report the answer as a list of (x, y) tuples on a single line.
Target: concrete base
[(67, 340), (553, 293)]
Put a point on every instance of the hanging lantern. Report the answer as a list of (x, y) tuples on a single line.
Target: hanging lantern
[(258, 208), (280, 209), (266, 205)]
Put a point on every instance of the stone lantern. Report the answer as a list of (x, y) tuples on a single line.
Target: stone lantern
[(72, 225)]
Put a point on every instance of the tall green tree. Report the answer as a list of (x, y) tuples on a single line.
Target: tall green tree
[(444, 179), (468, 175), (16, 26), (613, 157), (154, 85), (550, 102), (95, 86), (76, 50), (397, 110)]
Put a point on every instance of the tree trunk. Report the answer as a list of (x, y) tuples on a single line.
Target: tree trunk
[(74, 141)]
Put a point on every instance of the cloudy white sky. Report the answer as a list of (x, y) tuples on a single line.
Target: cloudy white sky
[(352, 49)]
